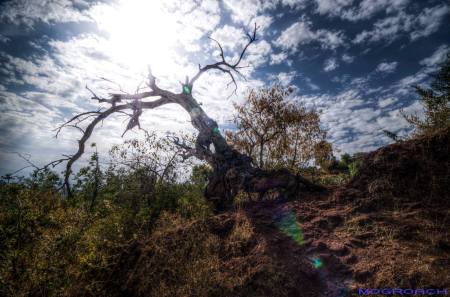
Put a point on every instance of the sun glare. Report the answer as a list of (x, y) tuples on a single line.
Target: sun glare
[(140, 33)]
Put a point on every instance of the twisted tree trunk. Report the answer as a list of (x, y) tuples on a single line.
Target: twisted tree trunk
[(232, 171)]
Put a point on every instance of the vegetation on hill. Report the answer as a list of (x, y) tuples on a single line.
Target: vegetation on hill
[(129, 243), (135, 229), (435, 101), (52, 245), (49, 243)]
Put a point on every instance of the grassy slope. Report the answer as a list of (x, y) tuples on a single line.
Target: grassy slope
[(389, 227)]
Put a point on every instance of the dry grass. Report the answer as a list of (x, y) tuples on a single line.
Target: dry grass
[(401, 249), (219, 256), (177, 261)]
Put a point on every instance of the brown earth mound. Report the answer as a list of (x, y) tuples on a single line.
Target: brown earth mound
[(399, 218), (416, 170), (389, 228)]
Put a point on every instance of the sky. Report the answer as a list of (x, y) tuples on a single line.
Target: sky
[(354, 61)]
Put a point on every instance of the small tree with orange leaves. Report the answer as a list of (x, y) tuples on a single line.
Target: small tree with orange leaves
[(276, 133)]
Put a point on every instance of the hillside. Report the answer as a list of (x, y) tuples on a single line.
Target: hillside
[(389, 227)]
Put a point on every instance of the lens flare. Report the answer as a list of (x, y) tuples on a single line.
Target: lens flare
[(317, 262), (288, 225)]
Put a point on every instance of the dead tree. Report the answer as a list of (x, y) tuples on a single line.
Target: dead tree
[(232, 171)]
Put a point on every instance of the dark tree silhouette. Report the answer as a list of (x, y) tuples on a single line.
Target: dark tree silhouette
[(435, 101), (232, 171)]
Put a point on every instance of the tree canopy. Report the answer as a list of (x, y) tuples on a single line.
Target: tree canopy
[(274, 131)]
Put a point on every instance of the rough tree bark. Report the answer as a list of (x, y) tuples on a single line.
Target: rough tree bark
[(232, 171)]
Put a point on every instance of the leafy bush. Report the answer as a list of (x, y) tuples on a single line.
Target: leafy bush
[(356, 164), (53, 246), (334, 179)]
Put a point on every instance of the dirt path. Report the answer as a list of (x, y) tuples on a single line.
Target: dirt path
[(300, 239)]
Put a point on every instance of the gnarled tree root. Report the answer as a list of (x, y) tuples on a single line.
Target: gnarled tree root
[(236, 175)]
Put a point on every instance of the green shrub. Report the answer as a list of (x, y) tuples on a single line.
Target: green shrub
[(54, 246)]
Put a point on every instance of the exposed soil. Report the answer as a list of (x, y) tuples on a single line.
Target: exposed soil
[(388, 228), (316, 221)]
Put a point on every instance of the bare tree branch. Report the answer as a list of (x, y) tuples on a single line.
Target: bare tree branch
[(225, 66), (27, 158), (90, 128), (79, 119), (12, 174), (186, 151), (102, 100)]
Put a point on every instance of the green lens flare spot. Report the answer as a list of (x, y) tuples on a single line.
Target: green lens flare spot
[(186, 89), (289, 226), (317, 263)]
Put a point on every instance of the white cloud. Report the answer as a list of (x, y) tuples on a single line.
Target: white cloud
[(301, 33), (229, 37), (258, 54), (386, 102), (311, 85), (393, 27), (437, 57), (285, 78), (42, 73), (415, 108), (348, 10), (353, 122), (330, 65), (331, 7), (359, 82), (342, 79), (387, 29), (203, 14), (387, 67), (27, 126), (429, 21), (4, 39), (330, 39), (347, 58), (262, 22), (296, 34), (404, 85), (278, 58), (429, 65), (245, 11), (350, 124), (29, 12), (297, 4), (368, 8)]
